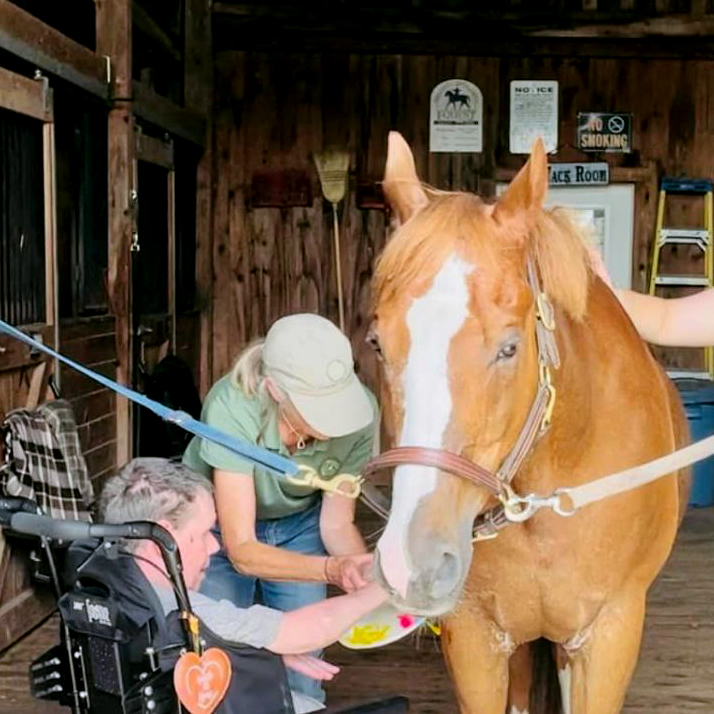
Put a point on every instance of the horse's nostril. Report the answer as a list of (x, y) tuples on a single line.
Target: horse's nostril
[(447, 575)]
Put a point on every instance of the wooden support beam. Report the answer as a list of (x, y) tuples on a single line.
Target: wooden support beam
[(146, 24), (669, 26), (394, 17), (198, 94), (452, 31), (198, 56), (155, 109), (114, 39), (155, 151), (227, 37), (25, 96), (27, 37)]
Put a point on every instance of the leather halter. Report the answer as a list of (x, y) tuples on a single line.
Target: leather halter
[(537, 422)]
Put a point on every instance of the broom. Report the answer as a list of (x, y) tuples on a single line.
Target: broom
[(332, 168)]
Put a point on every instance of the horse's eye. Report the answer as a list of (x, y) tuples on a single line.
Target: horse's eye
[(373, 341), (507, 352)]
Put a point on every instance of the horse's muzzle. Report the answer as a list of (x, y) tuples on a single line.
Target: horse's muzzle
[(435, 587)]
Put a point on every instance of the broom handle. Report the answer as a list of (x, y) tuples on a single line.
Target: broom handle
[(338, 266)]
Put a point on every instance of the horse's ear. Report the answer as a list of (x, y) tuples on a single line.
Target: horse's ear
[(401, 185), (525, 195)]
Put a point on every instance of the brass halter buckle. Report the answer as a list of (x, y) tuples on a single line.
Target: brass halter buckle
[(347, 485), (545, 312), (546, 382)]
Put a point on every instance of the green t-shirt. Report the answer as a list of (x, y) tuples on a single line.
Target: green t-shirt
[(227, 408)]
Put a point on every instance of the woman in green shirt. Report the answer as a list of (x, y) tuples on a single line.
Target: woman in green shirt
[(294, 393)]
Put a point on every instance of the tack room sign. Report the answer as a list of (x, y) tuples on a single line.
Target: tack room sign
[(587, 174), (603, 131)]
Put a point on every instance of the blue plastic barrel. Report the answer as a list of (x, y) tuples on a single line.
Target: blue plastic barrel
[(698, 398)]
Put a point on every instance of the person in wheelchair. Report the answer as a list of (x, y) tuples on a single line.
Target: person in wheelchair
[(181, 500)]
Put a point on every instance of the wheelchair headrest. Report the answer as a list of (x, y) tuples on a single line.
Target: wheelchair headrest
[(109, 596)]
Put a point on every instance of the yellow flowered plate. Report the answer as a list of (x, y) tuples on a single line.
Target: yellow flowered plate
[(379, 628)]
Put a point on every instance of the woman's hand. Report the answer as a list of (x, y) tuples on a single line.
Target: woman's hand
[(598, 266), (310, 666), (349, 572)]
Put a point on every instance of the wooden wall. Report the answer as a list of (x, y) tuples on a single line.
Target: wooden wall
[(272, 110), (22, 602), (91, 342)]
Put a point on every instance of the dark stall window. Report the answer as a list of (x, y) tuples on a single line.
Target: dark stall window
[(149, 264), (186, 167), (81, 156), (22, 220), (77, 23)]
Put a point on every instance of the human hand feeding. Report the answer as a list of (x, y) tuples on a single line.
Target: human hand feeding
[(349, 572)]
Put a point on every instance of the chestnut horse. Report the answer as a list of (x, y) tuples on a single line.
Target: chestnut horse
[(455, 328)]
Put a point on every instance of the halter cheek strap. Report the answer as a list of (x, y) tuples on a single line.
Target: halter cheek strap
[(536, 424)]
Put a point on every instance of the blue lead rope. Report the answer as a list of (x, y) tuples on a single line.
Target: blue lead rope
[(267, 459)]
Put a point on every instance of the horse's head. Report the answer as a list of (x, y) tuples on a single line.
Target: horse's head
[(454, 323)]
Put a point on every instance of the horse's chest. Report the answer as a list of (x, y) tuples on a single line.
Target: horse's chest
[(531, 594)]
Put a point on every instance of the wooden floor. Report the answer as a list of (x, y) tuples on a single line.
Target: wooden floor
[(675, 674)]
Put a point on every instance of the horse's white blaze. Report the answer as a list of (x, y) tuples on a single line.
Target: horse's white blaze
[(516, 710), (564, 677), (432, 320)]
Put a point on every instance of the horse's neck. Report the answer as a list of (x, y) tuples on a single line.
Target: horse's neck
[(599, 359)]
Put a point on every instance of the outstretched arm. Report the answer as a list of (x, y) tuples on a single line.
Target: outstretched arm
[(676, 322), (316, 626), (671, 322)]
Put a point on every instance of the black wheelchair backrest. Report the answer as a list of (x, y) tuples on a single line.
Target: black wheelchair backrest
[(114, 612)]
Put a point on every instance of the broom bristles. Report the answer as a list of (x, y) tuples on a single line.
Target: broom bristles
[(332, 168)]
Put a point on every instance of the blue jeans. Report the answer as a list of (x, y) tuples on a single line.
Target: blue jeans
[(299, 533)]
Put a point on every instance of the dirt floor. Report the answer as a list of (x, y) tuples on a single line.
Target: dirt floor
[(675, 674)]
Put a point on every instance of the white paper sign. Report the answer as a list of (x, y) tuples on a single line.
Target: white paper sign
[(456, 117), (534, 113)]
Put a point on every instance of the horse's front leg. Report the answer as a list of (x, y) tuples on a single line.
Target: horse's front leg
[(600, 662), (477, 653), (520, 679)]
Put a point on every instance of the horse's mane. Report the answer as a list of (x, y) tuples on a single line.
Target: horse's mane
[(462, 222)]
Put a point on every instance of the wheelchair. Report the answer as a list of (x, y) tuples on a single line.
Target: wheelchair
[(117, 648)]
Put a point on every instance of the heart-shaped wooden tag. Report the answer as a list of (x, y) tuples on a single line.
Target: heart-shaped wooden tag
[(202, 682)]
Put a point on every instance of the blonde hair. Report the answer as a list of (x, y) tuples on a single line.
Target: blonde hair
[(248, 375)]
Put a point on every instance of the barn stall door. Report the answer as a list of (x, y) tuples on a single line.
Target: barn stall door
[(27, 297), (153, 266)]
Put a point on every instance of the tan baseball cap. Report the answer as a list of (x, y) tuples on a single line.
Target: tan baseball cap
[(311, 360)]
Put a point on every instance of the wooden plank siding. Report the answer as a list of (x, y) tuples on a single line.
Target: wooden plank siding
[(91, 342), (273, 109)]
